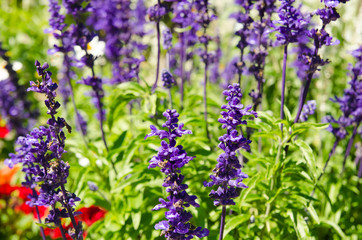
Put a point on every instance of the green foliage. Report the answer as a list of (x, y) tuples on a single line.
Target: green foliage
[(283, 166)]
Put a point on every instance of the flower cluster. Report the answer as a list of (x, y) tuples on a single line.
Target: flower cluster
[(227, 174), (41, 152), (329, 12), (253, 34), (156, 12), (167, 39), (308, 109), (97, 94), (113, 18), (68, 37), (351, 102), (309, 59), (291, 25), (171, 158), (243, 17), (15, 108), (167, 79), (185, 17)]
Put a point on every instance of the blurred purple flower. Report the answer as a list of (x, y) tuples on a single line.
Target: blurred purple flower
[(308, 109)]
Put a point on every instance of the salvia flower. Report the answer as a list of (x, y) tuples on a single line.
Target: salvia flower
[(167, 79), (167, 39), (358, 158), (92, 186), (254, 35), (171, 158), (311, 58), (291, 24), (41, 153), (15, 108), (68, 39), (156, 12), (308, 109), (351, 102), (227, 174), (116, 20)]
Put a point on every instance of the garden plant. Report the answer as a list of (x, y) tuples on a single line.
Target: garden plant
[(180, 119)]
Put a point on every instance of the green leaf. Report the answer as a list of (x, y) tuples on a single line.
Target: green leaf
[(302, 227), (45, 225), (251, 185), (334, 226), (136, 219), (124, 183), (313, 213), (308, 155), (234, 222), (118, 143), (307, 125), (287, 115)]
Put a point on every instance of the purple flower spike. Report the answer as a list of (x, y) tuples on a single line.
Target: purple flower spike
[(291, 25), (41, 153), (171, 158), (227, 174)]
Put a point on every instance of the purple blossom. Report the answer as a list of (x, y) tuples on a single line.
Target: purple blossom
[(69, 38), (156, 12), (167, 39), (351, 102), (358, 158), (183, 14), (308, 109), (116, 19), (167, 79), (311, 58), (41, 153), (291, 24), (92, 186), (15, 108), (227, 174), (253, 35), (171, 158), (97, 94)]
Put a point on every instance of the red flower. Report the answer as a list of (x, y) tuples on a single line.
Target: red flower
[(6, 189), (91, 215), (23, 192), (3, 131), (55, 233)]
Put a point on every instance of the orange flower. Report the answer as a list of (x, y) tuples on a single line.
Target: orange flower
[(7, 173)]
